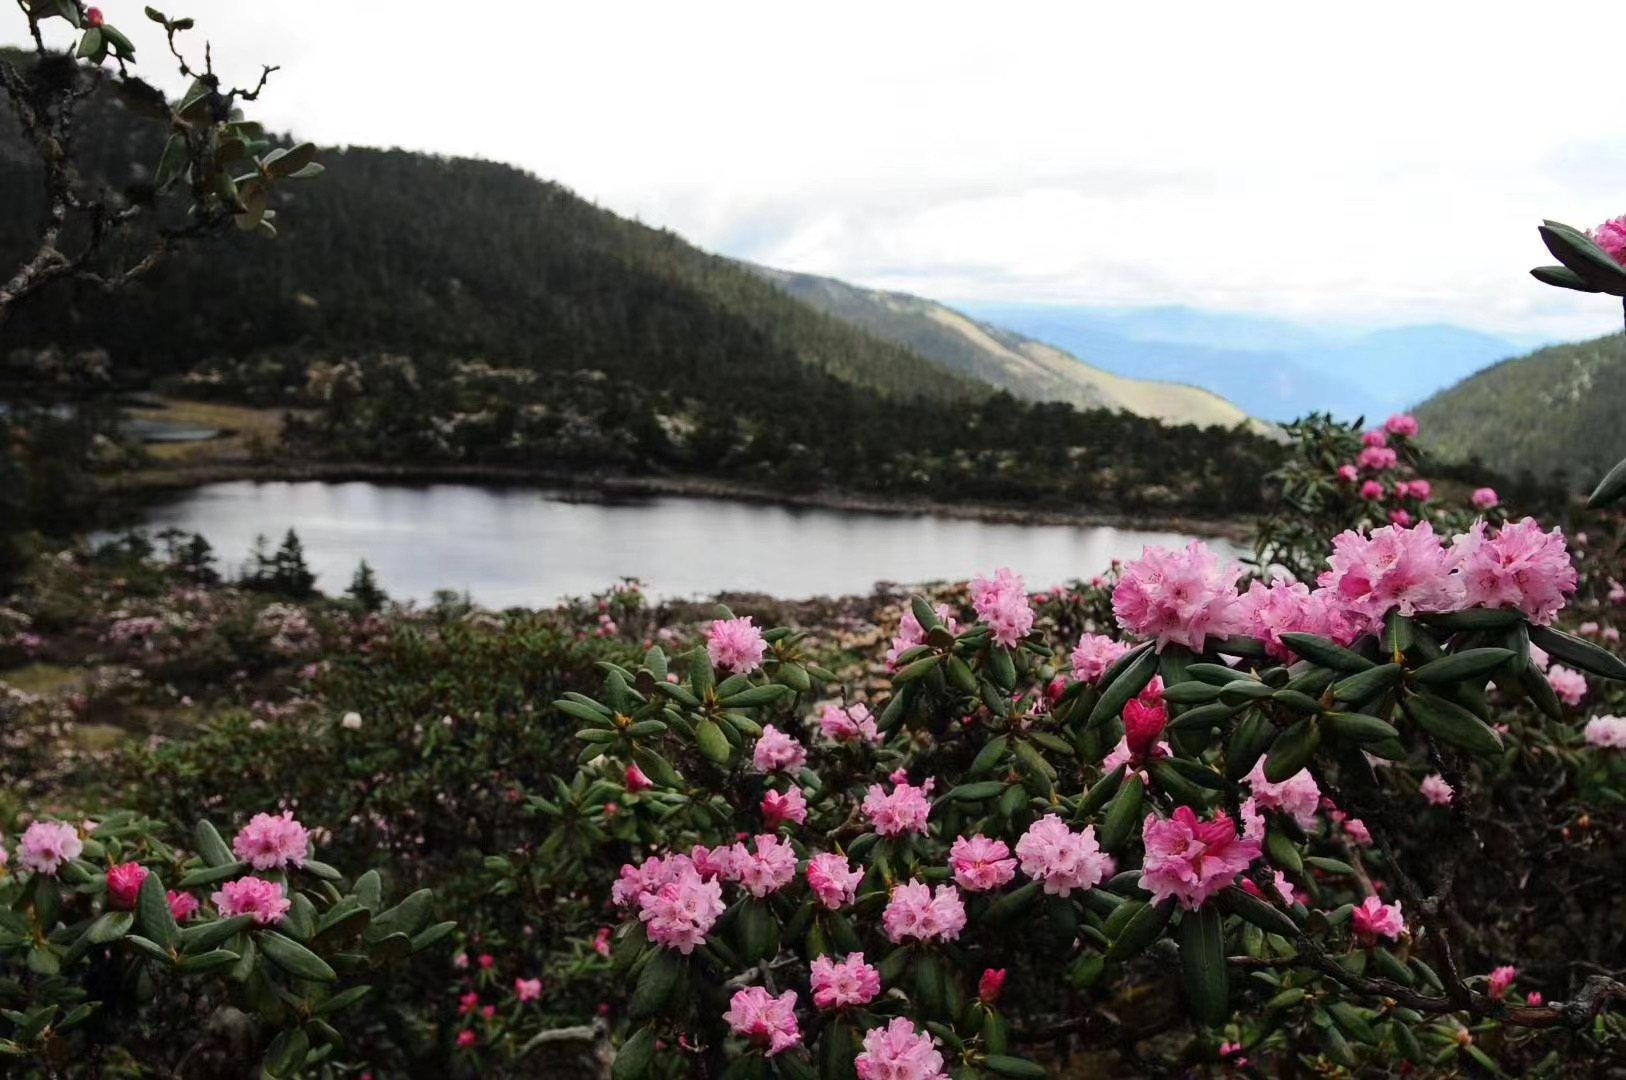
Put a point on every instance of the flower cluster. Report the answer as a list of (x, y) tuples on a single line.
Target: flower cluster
[(911, 633), (766, 1021), (840, 984), (1192, 860), (1002, 603), (46, 845), (1178, 597), (899, 1052), (904, 810), (272, 843), (265, 900), (850, 725), (980, 863), (1061, 858), (735, 645), (915, 911), (1094, 654)]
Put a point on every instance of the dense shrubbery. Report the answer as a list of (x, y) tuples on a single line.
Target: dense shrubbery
[(1005, 751)]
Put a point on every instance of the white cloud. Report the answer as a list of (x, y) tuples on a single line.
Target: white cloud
[(1379, 163)]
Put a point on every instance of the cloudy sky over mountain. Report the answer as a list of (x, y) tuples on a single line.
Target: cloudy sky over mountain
[(1367, 164)]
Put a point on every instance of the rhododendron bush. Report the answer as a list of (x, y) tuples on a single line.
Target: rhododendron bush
[(1225, 784), (120, 950)]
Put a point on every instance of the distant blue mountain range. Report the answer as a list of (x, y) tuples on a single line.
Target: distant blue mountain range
[(1271, 368)]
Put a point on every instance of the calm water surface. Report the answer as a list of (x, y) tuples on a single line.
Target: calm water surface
[(520, 547)]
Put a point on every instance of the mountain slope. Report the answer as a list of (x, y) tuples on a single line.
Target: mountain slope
[(1272, 368), (1029, 369), (1557, 410)]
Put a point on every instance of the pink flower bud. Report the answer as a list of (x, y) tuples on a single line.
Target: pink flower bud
[(637, 781), (94, 17), (1347, 474), (466, 1039), (124, 884), (1143, 726), (487, 961), (991, 985), (1372, 490)]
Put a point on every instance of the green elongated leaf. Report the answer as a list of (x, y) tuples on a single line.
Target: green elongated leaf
[(1247, 647), (1100, 792), (1564, 278), (1215, 674), (1240, 902), (925, 615), (1195, 692), (795, 677), (1007, 908), (1450, 722), (1331, 866), (1319, 650), (294, 958), (1202, 965), (205, 962), (1242, 691), (926, 977), (1367, 684), (434, 935), (1586, 259), (1385, 962), (203, 936), (1292, 750), (1123, 813), (586, 714), (977, 791), (959, 673), (1460, 666), (1610, 488), (1203, 717), (342, 1000), (322, 870), (1353, 1021), (1476, 619), (758, 931), (713, 744), (1003, 669), (141, 944), (1287, 999), (403, 918), (1033, 762), (1005, 1065), (1252, 737), (1358, 727), (211, 846), (1297, 701), (1195, 772), (1578, 653), (287, 162), (1282, 851), (656, 767), (992, 752), (210, 875), (109, 926), (1118, 693), (90, 44), (119, 43), (152, 909), (287, 1052), (1144, 924), (655, 984)]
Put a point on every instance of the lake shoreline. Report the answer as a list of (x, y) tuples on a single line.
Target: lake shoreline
[(146, 484)]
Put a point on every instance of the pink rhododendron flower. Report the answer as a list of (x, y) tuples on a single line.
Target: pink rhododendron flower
[(528, 990), (601, 943), (1587, 629), (1520, 567), (916, 912), (647, 877), (637, 781), (1611, 236), (1356, 828), (1421, 490), (841, 984), (1094, 654), (778, 809), (124, 884), (46, 845), (1374, 438), (981, 863), (1394, 568), (1347, 474), (1484, 498), (1253, 820), (1282, 607), (832, 880), (735, 645), (899, 1052), (1606, 732), (767, 1022), (1144, 722), (769, 868), (681, 912), (182, 905), (1500, 981), (1003, 605), (904, 810), (469, 1003), (466, 1038), (1179, 597), (991, 985), (1374, 919), (911, 633), (1061, 858), (1377, 458), (849, 725), (1436, 790), (272, 843), (1191, 860), (254, 896), (1121, 755), (1402, 424), (1297, 796), (1402, 490), (1400, 518), (1371, 491), (777, 752), (1570, 686)]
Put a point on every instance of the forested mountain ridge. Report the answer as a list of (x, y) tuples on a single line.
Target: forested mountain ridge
[(1029, 369), (424, 310), (1556, 411)]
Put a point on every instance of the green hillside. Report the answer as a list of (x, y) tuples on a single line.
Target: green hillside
[(1559, 410)]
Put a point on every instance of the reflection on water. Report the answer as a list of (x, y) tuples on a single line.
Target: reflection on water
[(520, 547)]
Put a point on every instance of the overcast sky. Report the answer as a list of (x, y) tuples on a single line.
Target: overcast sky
[(1373, 164)]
